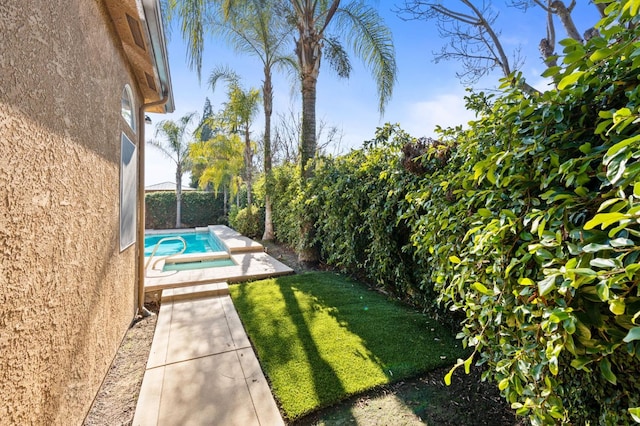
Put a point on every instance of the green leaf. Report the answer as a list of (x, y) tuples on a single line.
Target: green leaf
[(633, 334), (579, 363), (546, 285), (605, 369), (593, 247), (484, 212), (600, 54), (617, 147), (603, 291), (621, 242), (480, 288), (617, 306), (602, 263), (447, 377), (604, 219), (526, 281), (569, 80), (635, 414), (503, 384), (454, 259), (467, 364)]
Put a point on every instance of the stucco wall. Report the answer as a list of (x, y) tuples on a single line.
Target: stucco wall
[(67, 294)]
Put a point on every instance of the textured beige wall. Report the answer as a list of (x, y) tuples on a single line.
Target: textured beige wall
[(67, 295)]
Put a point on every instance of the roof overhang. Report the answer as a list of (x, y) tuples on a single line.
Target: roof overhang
[(138, 24)]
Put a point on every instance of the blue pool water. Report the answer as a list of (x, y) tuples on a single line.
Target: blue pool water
[(197, 242), (215, 263)]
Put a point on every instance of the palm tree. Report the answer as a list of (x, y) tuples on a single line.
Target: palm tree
[(221, 158), (363, 30), (239, 112), (255, 27), (259, 29), (175, 147)]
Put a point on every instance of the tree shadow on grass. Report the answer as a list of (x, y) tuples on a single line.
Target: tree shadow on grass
[(386, 341)]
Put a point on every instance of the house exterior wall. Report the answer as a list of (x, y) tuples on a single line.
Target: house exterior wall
[(67, 293)]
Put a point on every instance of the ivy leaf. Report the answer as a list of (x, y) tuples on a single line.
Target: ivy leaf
[(617, 306), (569, 80), (480, 288), (546, 285), (633, 334), (605, 369)]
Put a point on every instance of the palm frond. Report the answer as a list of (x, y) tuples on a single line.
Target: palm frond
[(371, 40)]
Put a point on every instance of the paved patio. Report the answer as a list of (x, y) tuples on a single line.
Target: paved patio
[(250, 263), (201, 368)]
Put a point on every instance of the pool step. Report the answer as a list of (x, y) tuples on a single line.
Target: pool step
[(199, 291)]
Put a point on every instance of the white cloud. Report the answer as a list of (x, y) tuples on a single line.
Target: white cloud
[(445, 110)]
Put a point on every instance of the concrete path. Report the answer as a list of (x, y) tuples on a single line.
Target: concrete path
[(201, 368)]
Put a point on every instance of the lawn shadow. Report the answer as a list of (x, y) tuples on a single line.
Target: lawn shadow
[(326, 382)]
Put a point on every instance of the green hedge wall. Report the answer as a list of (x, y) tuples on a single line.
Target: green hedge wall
[(527, 222), (198, 209)]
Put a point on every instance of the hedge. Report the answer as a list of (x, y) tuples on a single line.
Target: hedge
[(198, 209), (527, 224)]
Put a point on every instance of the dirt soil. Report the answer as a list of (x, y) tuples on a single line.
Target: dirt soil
[(422, 400)]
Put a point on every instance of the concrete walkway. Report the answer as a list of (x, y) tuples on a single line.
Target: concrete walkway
[(202, 369)]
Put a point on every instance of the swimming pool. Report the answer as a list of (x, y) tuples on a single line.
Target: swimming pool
[(197, 242)]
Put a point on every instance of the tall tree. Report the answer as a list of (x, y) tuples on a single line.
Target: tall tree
[(321, 25), (255, 27), (203, 133), (175, 146), (260, 29), (239, 113), (474, 39), (222, 159)]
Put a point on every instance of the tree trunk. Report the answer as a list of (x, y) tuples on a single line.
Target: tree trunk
[(247, 164), (309, 50), (225, 200), (567, 21), (178, 196), (267, 92)]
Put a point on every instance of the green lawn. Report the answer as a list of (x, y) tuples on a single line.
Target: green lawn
[(321, 337)]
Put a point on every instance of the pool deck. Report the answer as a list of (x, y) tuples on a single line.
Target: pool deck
[(202, 369), (251, 263)]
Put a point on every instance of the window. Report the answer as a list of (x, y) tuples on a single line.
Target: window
[(127, 110), (128, 192)]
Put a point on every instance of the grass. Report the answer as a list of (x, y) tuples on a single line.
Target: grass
[(321, 337)]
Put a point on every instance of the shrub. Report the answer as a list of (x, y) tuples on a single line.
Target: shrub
[(527, 223), (247, 221)]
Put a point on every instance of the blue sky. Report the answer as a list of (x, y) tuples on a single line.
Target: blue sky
[(426, 94)]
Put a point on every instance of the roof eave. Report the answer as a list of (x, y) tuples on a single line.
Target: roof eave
[(155, 31)]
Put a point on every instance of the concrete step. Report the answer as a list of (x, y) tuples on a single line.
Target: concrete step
[(195, 292)]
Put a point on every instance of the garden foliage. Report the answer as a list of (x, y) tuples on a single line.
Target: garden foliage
[(248, 221), (198, 209), (526, 224)]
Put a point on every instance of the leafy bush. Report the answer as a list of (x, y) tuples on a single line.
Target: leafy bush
[(526, 224), (247, 221), (540, 247)]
